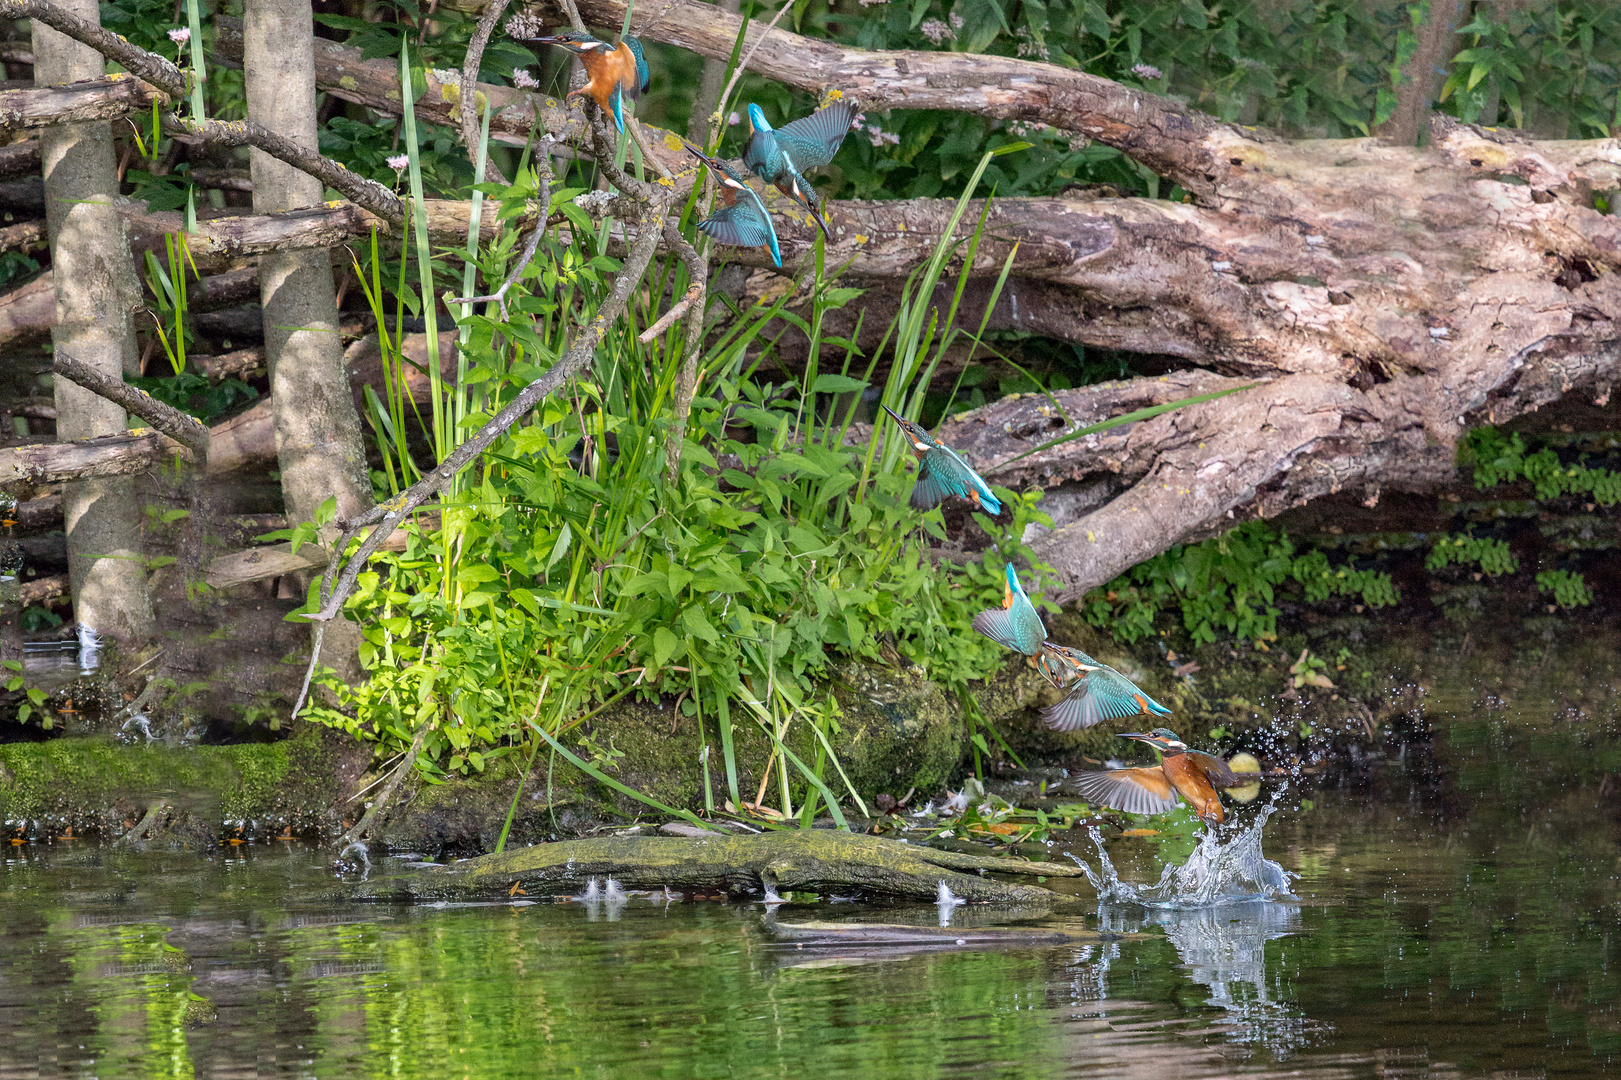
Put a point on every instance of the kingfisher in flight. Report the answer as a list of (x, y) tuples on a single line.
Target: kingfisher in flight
[(941, 474), (782, 155), (612, 72), (1196, 777), (741, 219), (1094, 691), (1016, 624)]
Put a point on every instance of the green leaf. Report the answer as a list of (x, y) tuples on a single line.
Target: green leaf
[(560, 548), (836, 384), (665, 645)]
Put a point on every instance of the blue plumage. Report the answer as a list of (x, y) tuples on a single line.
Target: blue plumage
[(1095, 691), (1017, 625), (942, 473), (782, 155), (741, 220)]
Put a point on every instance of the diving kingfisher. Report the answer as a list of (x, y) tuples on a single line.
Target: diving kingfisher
[(1197, 777), (741, 219), (1016, 625), (941, 473), (1095, 691), (612, 73), (782, 155)]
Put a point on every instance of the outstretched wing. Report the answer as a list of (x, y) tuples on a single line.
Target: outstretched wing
[(743, 224), (929, 491), (813, 140), (1002, 627), (991, 503), (1136, 791)]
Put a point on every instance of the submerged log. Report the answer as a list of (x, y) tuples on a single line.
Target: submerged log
[(810, 860)]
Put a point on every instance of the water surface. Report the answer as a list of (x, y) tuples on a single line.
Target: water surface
[(1426, 943)]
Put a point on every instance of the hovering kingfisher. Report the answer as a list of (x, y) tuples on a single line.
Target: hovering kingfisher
[(741, 219), (782, 155), (1096, 691), (1016, 625), (611, 72), (941, 473), (1198, 778)]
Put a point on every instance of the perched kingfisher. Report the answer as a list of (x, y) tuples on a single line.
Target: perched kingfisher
[(1017, 625), (611, 72), (782, 155), (1198, 778), (1096, 691), (741, 219), (941, 473)]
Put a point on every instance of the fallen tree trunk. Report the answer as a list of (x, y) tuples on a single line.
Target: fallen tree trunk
[(79, 102), (809, 860), (106, 455)]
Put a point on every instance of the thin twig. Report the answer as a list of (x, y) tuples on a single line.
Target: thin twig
[(737, 74), (573, 12), (469, 87), (695, 293), (183, 429), (309, 671), (384, 796), (499, 296)]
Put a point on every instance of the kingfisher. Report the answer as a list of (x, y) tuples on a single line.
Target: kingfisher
[(941, 473), (782, 155), (1016, 624), (1095, 691), (1197, 777), (741, 219), (611, 72)]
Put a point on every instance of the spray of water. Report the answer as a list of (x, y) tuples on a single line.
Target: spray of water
[(1221, 870)]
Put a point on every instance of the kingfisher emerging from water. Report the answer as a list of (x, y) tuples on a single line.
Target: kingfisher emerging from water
[(612, 72), (1094, 691), (782, 155), (1197, 777), (741, 220), (941, 473)]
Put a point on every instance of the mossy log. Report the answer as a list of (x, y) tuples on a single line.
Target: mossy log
[(810, 860)]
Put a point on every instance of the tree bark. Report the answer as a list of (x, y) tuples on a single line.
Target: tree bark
[(811, 860), (77, 103), (115, 456), (1424, 72), (318, 437), (96, 295)]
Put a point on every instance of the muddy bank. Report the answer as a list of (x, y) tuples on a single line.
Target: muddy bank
[(1364, 695)]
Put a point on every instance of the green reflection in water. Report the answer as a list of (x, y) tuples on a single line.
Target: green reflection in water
[(1479, 938)]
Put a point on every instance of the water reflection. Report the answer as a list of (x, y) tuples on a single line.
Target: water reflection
[(1224, 949)]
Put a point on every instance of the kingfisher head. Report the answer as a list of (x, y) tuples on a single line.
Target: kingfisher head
[(575, 42), (1162, 739), (1074, 658), (921, 440), (757, 118), (724, 175)]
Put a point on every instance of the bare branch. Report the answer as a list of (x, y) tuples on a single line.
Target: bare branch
[(183, 429), (468, 102), (93, 99), (136, 60), (107, 455)]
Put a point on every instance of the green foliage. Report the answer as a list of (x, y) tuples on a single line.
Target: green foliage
[(192, 392), (1492, 556), (1502, 458), (1227, 586), (1569, 589)]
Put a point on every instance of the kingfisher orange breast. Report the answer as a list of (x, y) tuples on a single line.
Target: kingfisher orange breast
[(1190, 783)]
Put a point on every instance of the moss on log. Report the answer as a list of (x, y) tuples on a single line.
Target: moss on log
[(810, 860)]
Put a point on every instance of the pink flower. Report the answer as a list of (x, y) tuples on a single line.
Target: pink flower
[(1147, 71), (399, 162), (180, 36), (935, 30), (525, 81)]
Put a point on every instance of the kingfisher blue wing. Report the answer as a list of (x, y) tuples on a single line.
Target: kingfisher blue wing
[(930, 490), (975, 485), (1017, 625), (743, 224), (643, 75), (813, 140), (1136, 791), (1100, 695), (616, 100)]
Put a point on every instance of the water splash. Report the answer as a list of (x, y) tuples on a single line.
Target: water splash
[(947, 903), (1219, 871)]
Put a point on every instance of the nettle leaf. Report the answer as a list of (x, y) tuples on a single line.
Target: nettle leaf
[(665, 645)]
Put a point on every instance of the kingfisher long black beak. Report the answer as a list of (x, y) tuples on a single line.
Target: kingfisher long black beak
[(1145, 736), (898, 418)]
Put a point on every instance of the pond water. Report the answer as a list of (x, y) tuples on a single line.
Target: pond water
[(1437, 934)]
